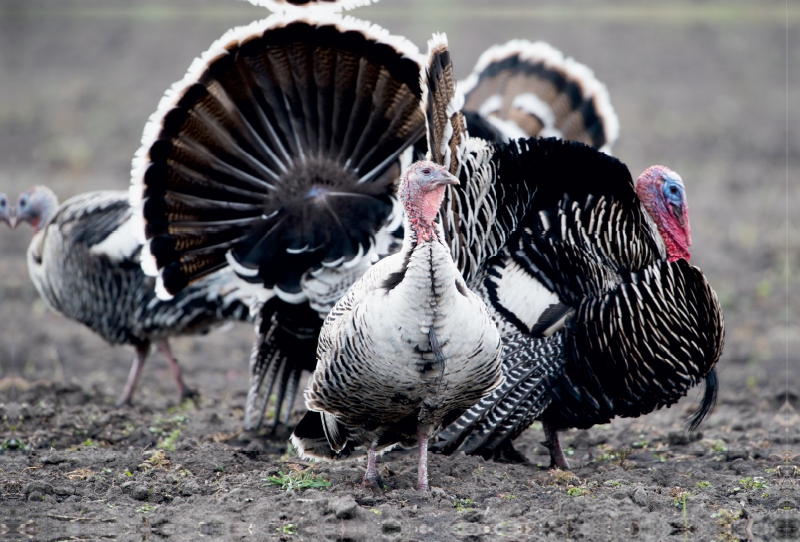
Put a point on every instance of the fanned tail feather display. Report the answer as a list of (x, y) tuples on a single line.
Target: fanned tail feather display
[(529, 89), (278, 155)]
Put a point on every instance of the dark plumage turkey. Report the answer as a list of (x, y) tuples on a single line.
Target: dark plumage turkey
[(586, 274)]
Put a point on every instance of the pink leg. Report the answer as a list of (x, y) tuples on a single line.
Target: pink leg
[(133, 376), (557, 458), (422, 470), (183, 391), (371, 477)]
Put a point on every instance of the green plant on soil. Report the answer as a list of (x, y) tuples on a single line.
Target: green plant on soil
[(297, 480), (463, 505), (169, 430), (750, 483), (577, 492), (288, 528)]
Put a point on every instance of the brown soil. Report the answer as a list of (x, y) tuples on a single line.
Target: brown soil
[(700, 88)]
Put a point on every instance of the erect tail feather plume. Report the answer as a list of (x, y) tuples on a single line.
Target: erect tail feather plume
[(447, 131), (283, 140)]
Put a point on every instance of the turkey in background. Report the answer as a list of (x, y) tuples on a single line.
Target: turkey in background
[(84, 260), (5, 210)]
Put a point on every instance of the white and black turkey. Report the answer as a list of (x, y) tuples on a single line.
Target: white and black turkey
[(5, 210), (278, 155), (588, 277), (84, 260), (407, 350)]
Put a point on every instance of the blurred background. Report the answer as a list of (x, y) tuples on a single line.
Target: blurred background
[(698, 86)]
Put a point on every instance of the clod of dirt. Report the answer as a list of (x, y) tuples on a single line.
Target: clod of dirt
[(54, 459), (639, 496), (344, 507), (140, 493), (682, 438)]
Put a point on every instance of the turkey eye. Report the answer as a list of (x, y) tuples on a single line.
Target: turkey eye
[(426, 171), (673, 189)]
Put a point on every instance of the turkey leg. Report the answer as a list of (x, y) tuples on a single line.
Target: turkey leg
[(184, 392), (422, 470), (557, 458), (133, 376)]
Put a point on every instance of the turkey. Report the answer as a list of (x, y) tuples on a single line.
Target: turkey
[(84, 260), (5, 210), (278, 155), (585, 272), (407, 349)]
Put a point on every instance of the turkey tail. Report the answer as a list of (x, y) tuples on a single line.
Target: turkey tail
[(530, 89), (320, 436), (282, 140), (501, 417), (708, 403), (447, 131), (479, 214), (285, 347)]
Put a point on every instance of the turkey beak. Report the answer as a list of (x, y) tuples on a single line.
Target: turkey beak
[(677, 212), (446, 178), (10, 218)]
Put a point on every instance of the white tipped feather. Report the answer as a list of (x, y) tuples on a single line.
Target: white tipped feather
[(148, 262), (282, 6), (161, 291), (238, 268)]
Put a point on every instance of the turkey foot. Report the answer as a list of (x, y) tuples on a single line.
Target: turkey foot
[(506, 453), (557, 458), (371, 478)]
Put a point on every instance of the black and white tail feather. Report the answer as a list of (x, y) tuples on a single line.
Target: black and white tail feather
[(526, 89), (278, 155)]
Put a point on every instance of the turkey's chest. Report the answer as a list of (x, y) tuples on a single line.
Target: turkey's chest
[(431, 304)]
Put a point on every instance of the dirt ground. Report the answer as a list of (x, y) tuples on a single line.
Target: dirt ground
[(699, 87)]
